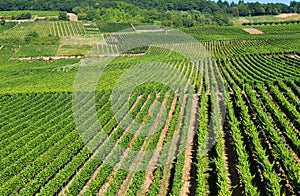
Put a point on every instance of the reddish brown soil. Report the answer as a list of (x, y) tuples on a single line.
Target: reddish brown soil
[(154, 159), (253, 31)]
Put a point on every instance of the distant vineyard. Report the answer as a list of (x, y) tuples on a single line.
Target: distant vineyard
[(106, 27), (281, 29), (216, 33), (66, 29), (206, 30), (285, 31), (23, 29), (91, 28), (36, 50), (232, 48), (272, 23), (105, 49), (146, 27), (262, 68), (113, 27)]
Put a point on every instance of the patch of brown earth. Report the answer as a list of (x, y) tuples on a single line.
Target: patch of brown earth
[(253, 31), (73, 17), (284, 16)]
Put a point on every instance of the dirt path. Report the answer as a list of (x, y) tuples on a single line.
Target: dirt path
[(133, 27), (103, 189), (188, 153), (48, 58), (116, 55), (201, 75), (225, 156), (73, 17), (149, 31), (186, 176), (93, 176), (164, 183), (173, 148), (253, 31), (45, 58), (136, 162), (295, 56), (196, 75), (149, 173), (103, 38)]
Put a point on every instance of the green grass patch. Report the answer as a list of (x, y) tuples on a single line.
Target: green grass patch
[(266, 18), (113, 27), (216, 33), (36, 50), (36, 76), (74, 50), (32, 12), (7, 26), (38, 65)]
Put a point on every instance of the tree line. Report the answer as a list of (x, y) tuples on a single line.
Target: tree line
[(171, 13)]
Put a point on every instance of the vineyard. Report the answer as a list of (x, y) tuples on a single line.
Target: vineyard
[(113, 27), (66, 29), (21, 30), (36, 50), (279, 29), (234, 130), (44, 29)]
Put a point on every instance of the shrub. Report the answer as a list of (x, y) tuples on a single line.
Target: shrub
[(63, 16), (2, 22)]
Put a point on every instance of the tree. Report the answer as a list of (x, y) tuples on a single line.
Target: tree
[(22, 16), (220, 4), (221, 18), (32, 35), (2, 22), (63, 16), (295, 6), (91, 14), (244, 9), (77, 10), (153, 14), (235, 11), (226, 4), (275, 11), (260, 10), (187, 20), (82, 16)]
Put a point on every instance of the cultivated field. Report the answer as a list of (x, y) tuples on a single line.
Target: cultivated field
[(280, 17), (66, 29), (241, 103)]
